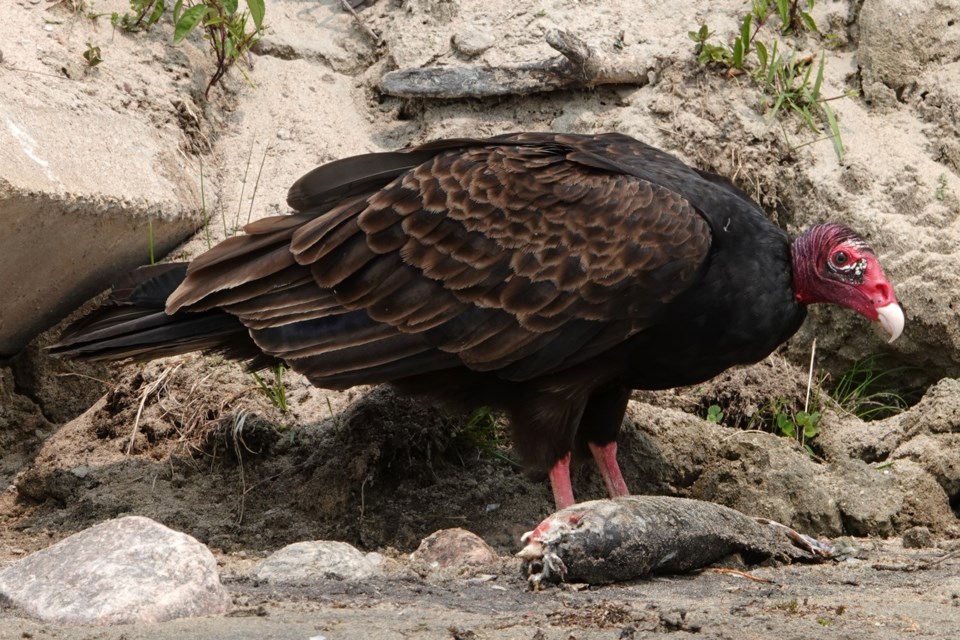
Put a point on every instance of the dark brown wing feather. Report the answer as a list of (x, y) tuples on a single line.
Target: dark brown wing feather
[(522, 255)]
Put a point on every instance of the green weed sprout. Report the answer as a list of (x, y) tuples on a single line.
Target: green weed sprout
[(787, 81)]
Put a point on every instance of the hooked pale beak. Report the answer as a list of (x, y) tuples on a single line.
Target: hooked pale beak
[(891, 319)]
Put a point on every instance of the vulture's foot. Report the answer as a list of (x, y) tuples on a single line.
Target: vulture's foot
[(560, 482), (606, 459)]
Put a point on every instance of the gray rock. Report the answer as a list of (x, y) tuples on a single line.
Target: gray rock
[(846, 436), (917, 538), (302, 562), (925, 503), (764, 475), (767, 476), (471, 41), (129, 570), (665, 450), (938, 454), (937, 412), (869, 499)]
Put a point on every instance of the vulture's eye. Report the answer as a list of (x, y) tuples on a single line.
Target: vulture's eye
[(841, 258)]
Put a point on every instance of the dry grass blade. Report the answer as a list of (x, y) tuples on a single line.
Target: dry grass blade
[(68, 374), (739, 574), (239, 421), (813, 353)]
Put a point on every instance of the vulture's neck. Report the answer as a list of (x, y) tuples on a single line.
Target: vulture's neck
[(803, 256)]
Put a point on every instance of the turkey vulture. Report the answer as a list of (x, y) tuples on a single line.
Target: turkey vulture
[(542, 274)]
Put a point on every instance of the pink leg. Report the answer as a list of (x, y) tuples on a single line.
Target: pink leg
[(606, 457), (560, 481)]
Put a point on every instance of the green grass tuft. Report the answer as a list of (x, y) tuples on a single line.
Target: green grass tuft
[(863, 390), (226, 28), (276, 391), (481, 431), (786, 80)]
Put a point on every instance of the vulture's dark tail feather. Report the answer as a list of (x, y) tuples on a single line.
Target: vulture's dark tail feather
[(133, 324)]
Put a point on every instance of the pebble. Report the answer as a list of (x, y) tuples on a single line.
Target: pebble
[(471, 42), (454, 548), (123, 571), (304, 562), (917, 538)]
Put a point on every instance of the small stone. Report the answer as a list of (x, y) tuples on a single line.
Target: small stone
[(454, 548), (471, 42), (917, 538), (303, 562), (283, 134)]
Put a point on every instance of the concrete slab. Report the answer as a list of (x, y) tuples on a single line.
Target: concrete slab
[(89, 156), (78, 194)]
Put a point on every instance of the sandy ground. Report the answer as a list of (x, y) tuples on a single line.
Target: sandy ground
[(850, 600), (381, 472)]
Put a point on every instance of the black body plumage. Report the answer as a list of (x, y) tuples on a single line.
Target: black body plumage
[(542, 274)]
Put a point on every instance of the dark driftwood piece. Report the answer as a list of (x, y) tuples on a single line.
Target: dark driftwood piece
[(580, 65)]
